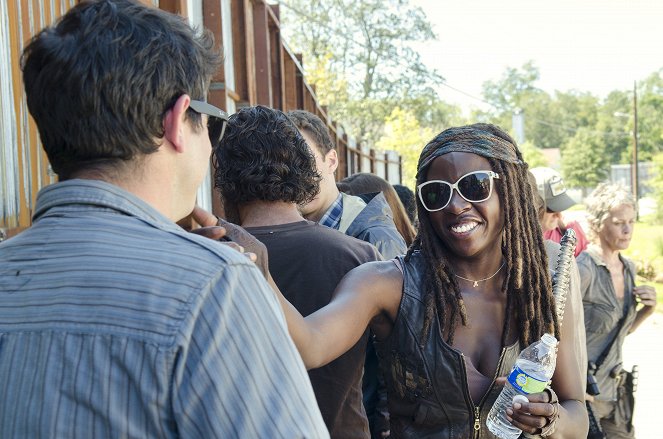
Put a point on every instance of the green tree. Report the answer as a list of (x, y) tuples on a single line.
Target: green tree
[(576, 109), (616, 124), (507, 92), (404, 135), (433, 113), (650, 116), (552, 120), (657, 185), (567, 112), (584, 162), (331, 88), (517, 90), (367, 44), (532, 155)]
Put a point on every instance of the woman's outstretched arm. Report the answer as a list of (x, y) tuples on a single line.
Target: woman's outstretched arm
[(368, 295)]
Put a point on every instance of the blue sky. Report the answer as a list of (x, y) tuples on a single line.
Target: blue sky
[(594, 46)]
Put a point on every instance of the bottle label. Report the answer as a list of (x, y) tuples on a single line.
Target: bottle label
[(525, 383)]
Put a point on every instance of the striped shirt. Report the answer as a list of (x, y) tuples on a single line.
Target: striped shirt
[(115, 323)]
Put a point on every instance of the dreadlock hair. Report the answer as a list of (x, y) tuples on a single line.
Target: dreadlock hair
[(527, 283)]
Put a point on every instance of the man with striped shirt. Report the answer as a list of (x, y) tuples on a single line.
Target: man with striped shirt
[(114, 322)]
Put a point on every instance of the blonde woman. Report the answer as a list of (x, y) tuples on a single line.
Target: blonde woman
[(614, 306)]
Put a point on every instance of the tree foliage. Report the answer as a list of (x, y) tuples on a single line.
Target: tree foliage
[(360, 59), (516, 90), (584, 162), (616, 125), (657, 185), (597, 132), (550, 121), (404, 135), (650, 116), (532, 155), (367, 44)]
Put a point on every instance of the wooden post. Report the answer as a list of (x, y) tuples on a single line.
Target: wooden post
[(174, 6), (263, 71)]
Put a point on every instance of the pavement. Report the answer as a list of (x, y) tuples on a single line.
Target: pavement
[(644, 348)]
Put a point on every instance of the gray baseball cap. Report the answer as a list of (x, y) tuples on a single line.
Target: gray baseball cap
[(552, 188)]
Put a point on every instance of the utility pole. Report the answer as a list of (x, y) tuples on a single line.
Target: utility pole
[(518, 125), (636, 192)]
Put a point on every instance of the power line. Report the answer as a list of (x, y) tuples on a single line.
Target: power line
[(324, 25), (492, 104), (537, 120), (446, 84)]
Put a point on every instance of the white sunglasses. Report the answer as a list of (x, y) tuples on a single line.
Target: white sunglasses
[(475, 187)]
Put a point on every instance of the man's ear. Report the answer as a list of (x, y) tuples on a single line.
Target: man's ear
[(173, 122), (331, 159)]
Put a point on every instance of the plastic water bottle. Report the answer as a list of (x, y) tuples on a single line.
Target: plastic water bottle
[(530, 374)]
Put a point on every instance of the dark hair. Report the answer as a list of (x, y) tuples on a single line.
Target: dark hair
[(365, 183), (527, 283), (263, 157), (315, 127), (99, 81), (343, 187), (407, 198)]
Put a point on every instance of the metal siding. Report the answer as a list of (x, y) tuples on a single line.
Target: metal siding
[(245, 28), (25, 167), (9, 199)]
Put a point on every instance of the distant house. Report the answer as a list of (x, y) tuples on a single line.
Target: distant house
[(623, 174)]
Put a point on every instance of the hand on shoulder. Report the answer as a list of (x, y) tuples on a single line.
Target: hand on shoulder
[(232, 235)]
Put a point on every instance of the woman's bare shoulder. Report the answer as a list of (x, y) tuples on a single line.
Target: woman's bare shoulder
[(384, 274), (378, 283)]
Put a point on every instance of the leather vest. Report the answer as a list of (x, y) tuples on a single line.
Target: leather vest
[(427, 382)]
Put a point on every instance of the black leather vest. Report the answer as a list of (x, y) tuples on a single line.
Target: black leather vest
[(427, 384)]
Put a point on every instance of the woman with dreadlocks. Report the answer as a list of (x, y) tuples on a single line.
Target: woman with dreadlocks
[(451, 316)]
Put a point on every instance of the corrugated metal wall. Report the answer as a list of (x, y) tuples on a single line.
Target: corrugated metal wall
[(23, 165), (259, 69)]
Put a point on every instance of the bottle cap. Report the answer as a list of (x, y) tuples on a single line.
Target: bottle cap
[(549, 340)]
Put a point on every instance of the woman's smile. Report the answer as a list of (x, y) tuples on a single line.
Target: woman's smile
[(469, 228), (464, 227)]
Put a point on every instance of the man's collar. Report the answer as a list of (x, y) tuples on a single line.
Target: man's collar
[(100, 194)]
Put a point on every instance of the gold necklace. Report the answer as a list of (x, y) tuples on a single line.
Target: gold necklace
[(476, 282)]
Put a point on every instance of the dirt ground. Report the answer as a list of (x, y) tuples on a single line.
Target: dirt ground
[(645, 348)]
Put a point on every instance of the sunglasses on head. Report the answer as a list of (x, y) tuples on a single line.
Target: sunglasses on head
[(474, 187), (216, 122)]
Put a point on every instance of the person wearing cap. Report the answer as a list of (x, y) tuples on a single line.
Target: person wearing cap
[(553, 190), (574, 298)]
